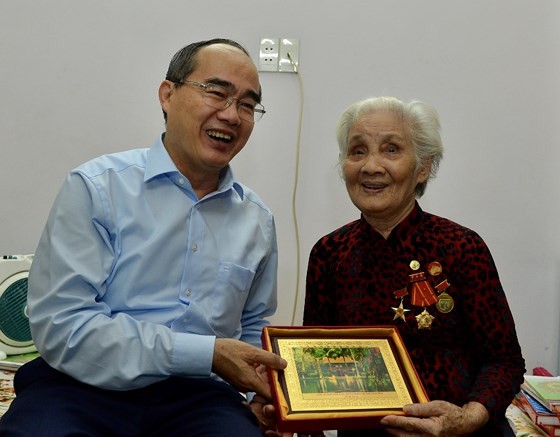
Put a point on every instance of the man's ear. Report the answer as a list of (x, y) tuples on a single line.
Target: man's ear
[(166, 90)]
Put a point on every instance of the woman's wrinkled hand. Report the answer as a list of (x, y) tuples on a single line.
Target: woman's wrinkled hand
[(437, 418)]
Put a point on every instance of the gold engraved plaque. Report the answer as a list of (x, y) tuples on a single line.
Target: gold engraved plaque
[(340, 377)]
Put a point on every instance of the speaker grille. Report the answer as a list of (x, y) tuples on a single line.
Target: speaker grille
[(14, 322)]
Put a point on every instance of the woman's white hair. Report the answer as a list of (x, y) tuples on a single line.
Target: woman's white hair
[(421, 120)]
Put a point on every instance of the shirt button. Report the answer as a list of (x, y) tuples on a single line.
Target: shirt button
[(181, 181), (194, 247), (188, 292)]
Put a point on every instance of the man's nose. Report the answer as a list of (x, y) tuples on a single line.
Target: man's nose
[(231, 111)]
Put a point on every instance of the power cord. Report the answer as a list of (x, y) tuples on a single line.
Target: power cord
[(294, 193)]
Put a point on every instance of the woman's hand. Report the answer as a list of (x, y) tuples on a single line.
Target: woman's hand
[(266, 415), (437, 418)]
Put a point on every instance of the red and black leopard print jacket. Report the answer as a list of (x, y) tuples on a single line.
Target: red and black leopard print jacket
[(468, 354)]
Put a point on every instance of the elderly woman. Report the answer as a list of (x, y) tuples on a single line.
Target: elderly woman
[(432, 278)]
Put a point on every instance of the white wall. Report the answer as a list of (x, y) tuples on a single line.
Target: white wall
[(78, 79)]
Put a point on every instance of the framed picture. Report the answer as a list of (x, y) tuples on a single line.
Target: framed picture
[(340, 377)]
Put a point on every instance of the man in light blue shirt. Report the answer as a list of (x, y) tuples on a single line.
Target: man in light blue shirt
[(155, 273)]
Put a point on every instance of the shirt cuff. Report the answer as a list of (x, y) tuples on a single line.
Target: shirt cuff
[(192, 355)]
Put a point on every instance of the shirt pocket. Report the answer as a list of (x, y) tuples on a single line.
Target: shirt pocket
[(232, 288)]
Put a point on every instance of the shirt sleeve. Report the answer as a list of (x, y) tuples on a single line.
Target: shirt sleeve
[(493, 326), (73, 329), (319, 308)]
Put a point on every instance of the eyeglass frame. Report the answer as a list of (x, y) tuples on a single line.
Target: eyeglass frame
[(259, 108)]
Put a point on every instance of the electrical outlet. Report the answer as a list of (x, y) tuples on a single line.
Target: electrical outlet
[(288, 55), (268, 55)]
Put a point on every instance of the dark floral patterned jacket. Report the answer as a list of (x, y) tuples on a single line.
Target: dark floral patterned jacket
[(460, 333)]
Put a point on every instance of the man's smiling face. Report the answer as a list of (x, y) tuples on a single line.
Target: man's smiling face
[(200, 139)]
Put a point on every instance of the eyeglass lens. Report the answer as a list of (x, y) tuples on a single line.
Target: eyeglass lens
[(219, 97)]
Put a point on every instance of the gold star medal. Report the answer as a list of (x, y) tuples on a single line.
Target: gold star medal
[(424, 320), (400, 312)]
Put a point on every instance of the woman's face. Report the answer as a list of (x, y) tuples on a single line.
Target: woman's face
[(380, 168)]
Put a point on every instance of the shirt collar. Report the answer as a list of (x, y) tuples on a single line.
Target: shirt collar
[(400, 232), (159, 163), (409, 224)]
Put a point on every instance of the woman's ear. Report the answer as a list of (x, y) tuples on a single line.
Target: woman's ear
[(424, 171)]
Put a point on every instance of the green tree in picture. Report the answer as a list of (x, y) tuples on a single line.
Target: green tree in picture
[(328, 370)]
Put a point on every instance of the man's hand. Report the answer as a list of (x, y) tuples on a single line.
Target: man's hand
[(237, 363), (437, 418)]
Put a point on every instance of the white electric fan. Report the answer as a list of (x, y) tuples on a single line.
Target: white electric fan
[(15, 335)]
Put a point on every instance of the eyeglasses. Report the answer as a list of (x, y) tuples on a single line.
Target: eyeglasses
[(219, 97)]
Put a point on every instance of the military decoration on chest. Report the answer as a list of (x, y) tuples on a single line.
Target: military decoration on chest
[(423, 295)]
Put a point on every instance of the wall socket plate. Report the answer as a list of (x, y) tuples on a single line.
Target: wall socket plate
[(279, 54), (268, 54), (288, 55)]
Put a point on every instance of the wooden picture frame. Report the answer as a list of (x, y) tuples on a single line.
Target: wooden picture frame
[(340, 377)]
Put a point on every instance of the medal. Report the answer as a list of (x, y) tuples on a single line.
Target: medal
[(424, 320), (423, 294), (442, 286), (400, 312), (435, 268), (401, 293), (445, 303)]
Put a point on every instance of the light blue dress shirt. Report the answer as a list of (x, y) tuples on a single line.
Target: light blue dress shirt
[(134, 277)]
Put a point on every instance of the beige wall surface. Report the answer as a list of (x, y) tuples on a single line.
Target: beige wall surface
[(78, 79)]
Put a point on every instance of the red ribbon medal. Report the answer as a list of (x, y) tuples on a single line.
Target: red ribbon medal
[(422, 293)]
